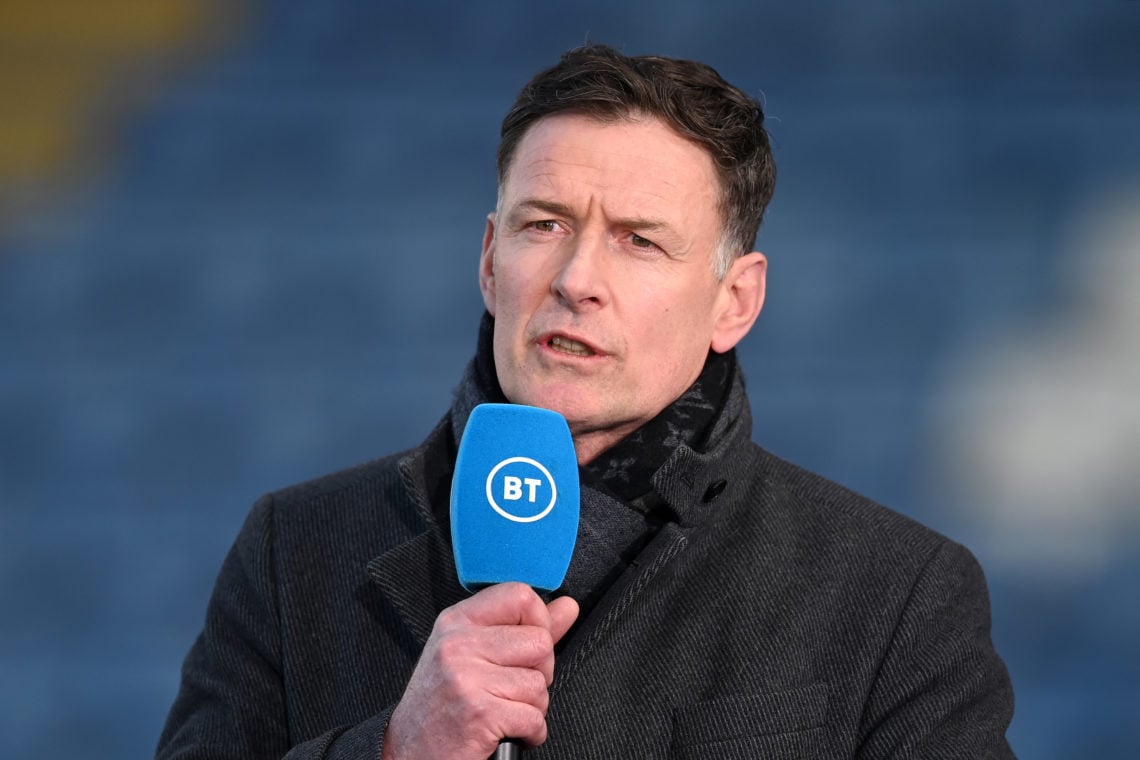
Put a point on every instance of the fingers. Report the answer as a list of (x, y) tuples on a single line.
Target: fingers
[(483, 676), (505, 625), (493, 702), (500, 645), (505, 604), (523, 685), (563, 612)]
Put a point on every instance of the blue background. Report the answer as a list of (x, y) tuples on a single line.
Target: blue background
[(267, 271)]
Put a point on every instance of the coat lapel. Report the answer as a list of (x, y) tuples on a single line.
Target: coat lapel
[(418, 576), (607, 615)]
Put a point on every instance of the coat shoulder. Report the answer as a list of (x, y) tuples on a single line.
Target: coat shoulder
[(349, 515), (375, 477), (831, 516)]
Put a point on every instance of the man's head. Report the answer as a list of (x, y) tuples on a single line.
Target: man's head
[(688, 96), (600, 263)]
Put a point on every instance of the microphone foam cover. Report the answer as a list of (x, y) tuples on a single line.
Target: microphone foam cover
[(514, 498)]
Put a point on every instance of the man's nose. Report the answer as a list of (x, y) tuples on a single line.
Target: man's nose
[(581, 281)]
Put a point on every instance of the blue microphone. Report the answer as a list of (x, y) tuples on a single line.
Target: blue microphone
[(514, 498), (514, 503)]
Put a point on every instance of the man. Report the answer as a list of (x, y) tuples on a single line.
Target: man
[(720, 601)]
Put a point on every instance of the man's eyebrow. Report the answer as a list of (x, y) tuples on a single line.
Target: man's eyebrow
[(644, 224), (554, 208)]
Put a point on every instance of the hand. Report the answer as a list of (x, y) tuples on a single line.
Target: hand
[(482, 677)]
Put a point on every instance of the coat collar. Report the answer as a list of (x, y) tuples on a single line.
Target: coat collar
[(419, 575), (695, 484)]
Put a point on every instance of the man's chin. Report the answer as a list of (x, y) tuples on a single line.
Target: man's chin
[(586, 417), (577, 407), (594, 424), (571, 408)]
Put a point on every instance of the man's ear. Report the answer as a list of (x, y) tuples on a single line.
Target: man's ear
[(740, 300), (487, 266)]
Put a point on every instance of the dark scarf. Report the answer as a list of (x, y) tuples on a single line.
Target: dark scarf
[(610, 537), (624, 469)]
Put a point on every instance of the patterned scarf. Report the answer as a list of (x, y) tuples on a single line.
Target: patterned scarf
[(611, 537), (624, 470)]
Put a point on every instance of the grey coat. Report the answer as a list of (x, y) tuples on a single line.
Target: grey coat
[(782, 616)]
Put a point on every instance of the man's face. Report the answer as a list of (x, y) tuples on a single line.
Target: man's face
[(598, 269)]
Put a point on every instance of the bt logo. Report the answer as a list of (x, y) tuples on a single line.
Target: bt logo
[(521, 490)]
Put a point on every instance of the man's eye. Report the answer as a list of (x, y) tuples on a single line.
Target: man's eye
[(546, 225), (641, 242)]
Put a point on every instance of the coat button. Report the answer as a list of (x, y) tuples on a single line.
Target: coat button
[(715, 489)]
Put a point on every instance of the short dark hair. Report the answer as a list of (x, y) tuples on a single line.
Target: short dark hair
[(691, 97)]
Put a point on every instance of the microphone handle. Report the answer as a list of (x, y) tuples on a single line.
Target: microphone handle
[(509, 749)]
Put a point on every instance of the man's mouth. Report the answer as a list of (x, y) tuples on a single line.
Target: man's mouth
[(568, 346)]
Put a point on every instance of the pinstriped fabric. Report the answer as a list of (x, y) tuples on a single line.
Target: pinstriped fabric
[(782, 616), (743, 716), (624, 594)]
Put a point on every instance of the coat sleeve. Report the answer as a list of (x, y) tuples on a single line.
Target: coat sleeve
[(941, 691), (231, 703)]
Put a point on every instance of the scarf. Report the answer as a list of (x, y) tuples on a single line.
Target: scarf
[(620, 510)]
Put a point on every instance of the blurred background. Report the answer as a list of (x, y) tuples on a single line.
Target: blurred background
[(238, 246)]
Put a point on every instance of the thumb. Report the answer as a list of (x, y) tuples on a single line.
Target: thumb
[(563, 612)]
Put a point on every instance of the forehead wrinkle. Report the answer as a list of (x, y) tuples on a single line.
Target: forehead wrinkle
[(586, 157), (559, 184)]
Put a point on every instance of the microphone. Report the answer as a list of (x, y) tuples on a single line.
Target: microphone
[(514, 503), (514, 498)]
